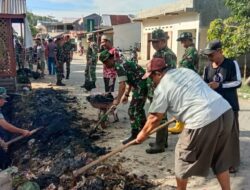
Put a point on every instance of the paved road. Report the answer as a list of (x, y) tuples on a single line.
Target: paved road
[(159, 167)]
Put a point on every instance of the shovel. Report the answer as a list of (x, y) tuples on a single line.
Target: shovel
[(79, 171), (5, 145), (101, 119)]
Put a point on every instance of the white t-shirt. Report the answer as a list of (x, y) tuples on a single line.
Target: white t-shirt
[(184, 95)]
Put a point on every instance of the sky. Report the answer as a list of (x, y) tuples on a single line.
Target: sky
[(79, 8)]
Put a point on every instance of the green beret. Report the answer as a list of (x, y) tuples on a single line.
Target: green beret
[(104, 55)]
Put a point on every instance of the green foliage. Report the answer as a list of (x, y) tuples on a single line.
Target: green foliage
[(234, 31), (239, 8), (32, 18)]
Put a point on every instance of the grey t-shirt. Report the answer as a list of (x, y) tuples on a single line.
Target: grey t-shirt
[(183, 94)]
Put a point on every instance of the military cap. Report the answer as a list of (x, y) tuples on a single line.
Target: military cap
[(212, 47), (3, 93), (185, 36), (158, 34)]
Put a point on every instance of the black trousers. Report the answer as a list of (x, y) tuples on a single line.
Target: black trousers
[(109, 84), (5, 160)]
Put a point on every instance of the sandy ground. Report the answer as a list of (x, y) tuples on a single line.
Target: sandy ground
[(158, 167)]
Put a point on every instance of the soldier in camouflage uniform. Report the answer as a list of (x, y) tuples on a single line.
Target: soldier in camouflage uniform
[(190, 58), (131, 74), (59, 58), (159, 43), (91, 56), (68, 49)]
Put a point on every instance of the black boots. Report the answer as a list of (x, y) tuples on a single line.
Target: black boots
[(60, 84), (134, 133), (160, 142)]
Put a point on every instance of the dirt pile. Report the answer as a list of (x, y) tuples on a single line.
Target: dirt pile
[(63, 145)]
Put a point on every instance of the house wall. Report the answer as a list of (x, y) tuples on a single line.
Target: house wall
[(173, 25), (210, 10), (126, 35)]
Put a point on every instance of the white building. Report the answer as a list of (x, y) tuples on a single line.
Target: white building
[(126, 35), (182, 15)]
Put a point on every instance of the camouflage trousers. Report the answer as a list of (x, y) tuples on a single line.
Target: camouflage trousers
[(67, 61), (136, 110), (90, 72), (59, 72), (41, 66)]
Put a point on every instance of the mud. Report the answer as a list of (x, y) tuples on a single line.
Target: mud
[(63, 145)]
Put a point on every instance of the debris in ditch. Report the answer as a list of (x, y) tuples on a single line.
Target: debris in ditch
[(49, 156)]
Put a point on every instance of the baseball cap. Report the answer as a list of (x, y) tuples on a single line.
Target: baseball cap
[(212, 47), (158, 34), (155, 64), (184, 36), (3, 93)]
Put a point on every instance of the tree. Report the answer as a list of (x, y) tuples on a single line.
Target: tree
[(33, 19), (234, 31)]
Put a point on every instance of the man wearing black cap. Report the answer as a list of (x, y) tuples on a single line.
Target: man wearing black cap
[(205, 141), (223, 75)]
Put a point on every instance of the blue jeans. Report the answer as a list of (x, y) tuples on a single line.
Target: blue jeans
[(51, 66)]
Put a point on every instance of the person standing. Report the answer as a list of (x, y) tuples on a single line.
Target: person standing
[(51, 57), (159, 43), (189, 60), (19, 52), (68, 49), (6, 126), (223, 75), (129, 73), (205, 141), (91, 57), (59, 59), (40, 56), (109, 74)]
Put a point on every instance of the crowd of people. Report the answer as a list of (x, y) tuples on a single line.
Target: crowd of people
[(55, 53), (206, 110)]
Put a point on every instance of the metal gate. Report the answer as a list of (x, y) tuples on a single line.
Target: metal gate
[(7, 60)]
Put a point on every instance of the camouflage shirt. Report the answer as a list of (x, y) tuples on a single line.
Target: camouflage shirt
[(68, 48), (92, 52), (131, 73), (190, 58), (59, 53), (168, 55)]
